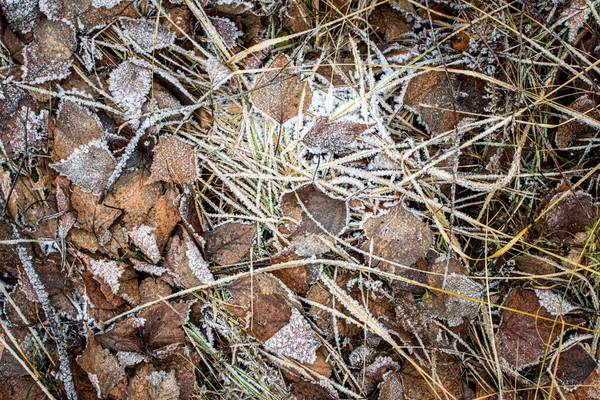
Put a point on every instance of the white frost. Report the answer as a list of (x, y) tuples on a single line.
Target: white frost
[(553, 302), (145, 35), (296, 340), (109, 271), (129, 85), (144, 238)]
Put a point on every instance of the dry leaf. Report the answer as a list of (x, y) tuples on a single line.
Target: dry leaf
[(574, 17), (185, 260), (314, 217), (76, 126), (430, 96), (229, 243), (398, 236), (129, 85), (304, 390), (522, 339), (575, 365), (334, 136), (163, 324), (103, 368), (389, 22), (570, 216), (573, 132), (86, 15), (49, 57), (146, 34), (89, 166), (21, 16), (299, 279), (278, 93), (149, 384), (174, 161)]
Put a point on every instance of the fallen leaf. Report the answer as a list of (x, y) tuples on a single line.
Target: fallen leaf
[(262, 303), (129, 85), (523, 339), (182, 21), (174, 161), (123, 336), (86, 15), (89, 166), (103, 368), (573, 132), (76, 126), (570, 216), (299, 279), (149, 384), (590, 390), (229, 243), (296, 18), (575, 365), (334, 136), (118, 280), (314, 217), (296, 340), (397, 235), (163, 324), (227, 29), (146, 35), (430, 96), (185, 260), (21, 16), (304, 390), (153, 289), (93, 216), (49, 56), (574, 17), (278, 93), (389, 22)]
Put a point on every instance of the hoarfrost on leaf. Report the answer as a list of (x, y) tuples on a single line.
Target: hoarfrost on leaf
[(109, 271), (89, 166), (21, 15), (146, 35), (144, 238), (296, 340), (129, 85), (553, 303), (105, 3), (574, 17)]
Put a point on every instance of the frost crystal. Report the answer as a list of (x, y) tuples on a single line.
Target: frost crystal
[(165, 384), (143, 238), (144, 34), (109, 271), (36, 128), (105, 3), (129, 358), (129, 85), (217, 72), (296, 340), (553, 302), (89, 166), (20, 14), (196, 263)]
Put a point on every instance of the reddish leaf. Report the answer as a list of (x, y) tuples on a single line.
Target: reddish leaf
[(174, 161), (229, 243)]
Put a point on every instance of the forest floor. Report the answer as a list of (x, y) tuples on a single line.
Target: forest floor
[(309, 199)]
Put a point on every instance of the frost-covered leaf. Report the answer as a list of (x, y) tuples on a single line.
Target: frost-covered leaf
[(278, 93), (21, 15), (262, 303), (217, 72), (146, 35), (523, 339), (452, 276), (334, 136), (304, 390), (89, 166), (163, 324), (574, 17), (571, 215), (118, 281), (574, 132), (85, 15), (314, 217), (129, 85), (575, 365), (229, 243), (430, 96), (105, 3), (185, 260), (149, 384), (227, 29), (397, 235), (299, 279), (296, 340), (149, 212), (390, 23), (75, 126), (49, 56), (174, 161), (103, 368)]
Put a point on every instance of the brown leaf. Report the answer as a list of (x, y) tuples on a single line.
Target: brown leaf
[(523, 339), (429, 95), (304, 390), (298, 279), (575, 365), (59, 288), (145, 34), (262, 304), (185, 260), (389, 22), (85, 15), (49, 57), (89, 166), (571, 215), (152, 289), (21, 388), (149, 384), (334, 136), (278, 93), (309, 229), (590, 390), (295, 18), (163, 324), (75, 126), (149, 212), (123, 336), (174, 161), (93, 216), (182, 19), (398, 236), (103, 368), (118, 280), (229, 243), (296, 340), (573, 132)]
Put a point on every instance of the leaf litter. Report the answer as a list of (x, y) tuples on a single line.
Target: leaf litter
[(252, 209)]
